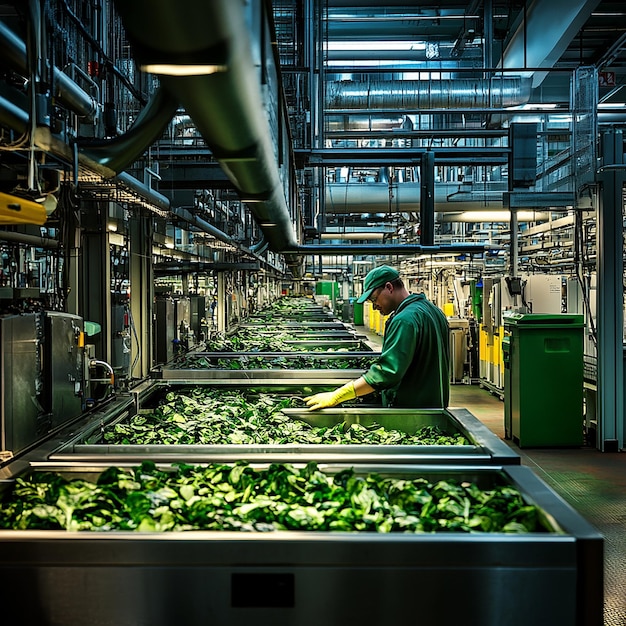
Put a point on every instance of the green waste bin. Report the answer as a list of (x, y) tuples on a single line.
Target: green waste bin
[(544, 398), (358, 313), (328, 288)]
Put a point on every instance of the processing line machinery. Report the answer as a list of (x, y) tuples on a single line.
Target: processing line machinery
[(299, 578)]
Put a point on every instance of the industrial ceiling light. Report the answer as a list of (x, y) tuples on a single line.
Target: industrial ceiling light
[(191, 69), (375, 46), (536, 106)]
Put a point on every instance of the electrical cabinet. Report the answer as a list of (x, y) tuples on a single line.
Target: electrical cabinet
[(63, 365)]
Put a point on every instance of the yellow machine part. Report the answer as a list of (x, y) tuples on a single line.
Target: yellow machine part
[(490, 355), (15, 210), (376, 321)]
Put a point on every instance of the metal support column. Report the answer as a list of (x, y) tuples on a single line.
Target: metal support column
[(610, 298), (141, 296), (514, 249), (221, 302), (427, 199), (72, 289), (95, 276)]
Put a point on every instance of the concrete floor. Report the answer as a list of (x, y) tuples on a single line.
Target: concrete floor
[(592, 482)]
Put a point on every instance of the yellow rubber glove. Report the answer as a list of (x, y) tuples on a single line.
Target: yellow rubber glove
[(331, 398)]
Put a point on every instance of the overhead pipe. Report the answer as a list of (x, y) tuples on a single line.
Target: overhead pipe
[(29, 240), (119, 152), (459, 93), (226, 106), (15, 118), (353, 236), (341, 126), (149, 195), (65, 90), (113, 154), (403, 60), (260, 247), (209, 229)]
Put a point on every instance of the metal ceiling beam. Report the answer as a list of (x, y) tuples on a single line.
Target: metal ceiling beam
[(193, 175), (167, 269), (399, 133), (551, 25), (367, 157)]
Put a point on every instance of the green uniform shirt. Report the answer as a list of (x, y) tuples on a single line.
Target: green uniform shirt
[(413, 368)]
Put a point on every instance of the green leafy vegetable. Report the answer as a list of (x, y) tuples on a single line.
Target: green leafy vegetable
[(259, 362), (208, 416), (239, 497)]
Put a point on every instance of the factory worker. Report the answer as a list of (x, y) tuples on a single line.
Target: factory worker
[(413, 368)]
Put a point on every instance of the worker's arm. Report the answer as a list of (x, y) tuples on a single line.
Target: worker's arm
[(349, 391)]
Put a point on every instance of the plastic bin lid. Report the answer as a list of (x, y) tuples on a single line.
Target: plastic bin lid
[(546, 319)]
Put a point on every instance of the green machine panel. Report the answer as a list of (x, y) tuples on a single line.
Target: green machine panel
[(544, 371)]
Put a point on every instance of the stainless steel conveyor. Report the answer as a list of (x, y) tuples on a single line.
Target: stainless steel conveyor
[(483, 446)]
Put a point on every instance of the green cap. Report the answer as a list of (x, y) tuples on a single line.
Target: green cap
[(377, 278)]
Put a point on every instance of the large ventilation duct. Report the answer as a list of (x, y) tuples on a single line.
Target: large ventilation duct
[(227, 105), (375, 198), (462, 93), (65, 90)]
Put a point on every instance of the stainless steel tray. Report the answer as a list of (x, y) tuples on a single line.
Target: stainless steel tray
[(283, 324), (287, 355), (328, 376), (330, 344), (320, 345), (299, 316), (484, 447), (294, 578), (275, 362), (306, 333)]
